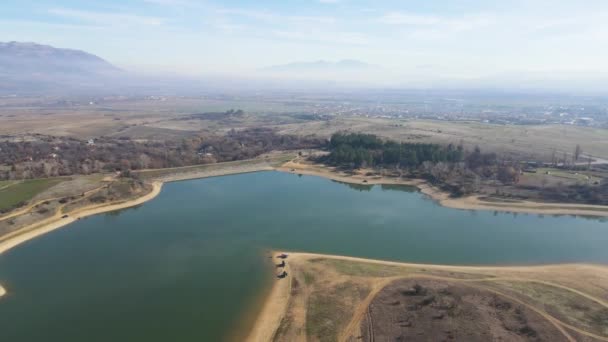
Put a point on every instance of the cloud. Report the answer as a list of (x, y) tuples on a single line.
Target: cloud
[(322, 36), (48, 25), (313, 19), (399, 18), (422, 27), (253, 14), (169, 2), (106, 18), (275, 18), (448, 23)]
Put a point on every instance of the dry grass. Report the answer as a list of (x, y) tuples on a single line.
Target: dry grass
[(564, 304), (531, 141), (329, 295), (169, 119)]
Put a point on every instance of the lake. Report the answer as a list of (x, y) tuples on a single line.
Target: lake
[(190, 264)]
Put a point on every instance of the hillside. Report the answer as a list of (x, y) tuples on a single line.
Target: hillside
[(32, 67)]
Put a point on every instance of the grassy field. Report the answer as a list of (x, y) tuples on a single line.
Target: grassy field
[(569, 175), (556, 177), (21, 192)]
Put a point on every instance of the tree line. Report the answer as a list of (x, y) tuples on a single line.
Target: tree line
[(451, 167), (46, 156), (367, 150)]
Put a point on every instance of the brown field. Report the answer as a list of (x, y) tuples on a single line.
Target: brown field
[(169, 119), (135, 118), (332, 298), (534, 142)]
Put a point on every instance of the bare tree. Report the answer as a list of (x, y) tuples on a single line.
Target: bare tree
[(577, 153)]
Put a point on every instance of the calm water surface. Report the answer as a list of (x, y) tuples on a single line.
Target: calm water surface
[(187, 265)]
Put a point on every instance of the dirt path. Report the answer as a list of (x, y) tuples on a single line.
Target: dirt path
[(362, 309), (580, 293), (57, 215), (30, 207), (595, 160), (557, 323), (8, 185), (26, 209)]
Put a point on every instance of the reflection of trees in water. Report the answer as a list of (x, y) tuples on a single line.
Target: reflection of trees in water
[(383, 187), (116, 213), (555, 216), (398, 187), (355, 186)]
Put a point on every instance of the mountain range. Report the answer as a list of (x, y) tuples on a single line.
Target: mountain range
[(33, 67)]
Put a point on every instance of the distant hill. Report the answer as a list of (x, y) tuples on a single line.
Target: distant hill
[(31, 66)]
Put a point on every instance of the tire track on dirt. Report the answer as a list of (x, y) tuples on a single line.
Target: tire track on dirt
[(363, 308)]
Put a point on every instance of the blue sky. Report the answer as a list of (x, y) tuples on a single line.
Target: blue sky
[(459, 38)]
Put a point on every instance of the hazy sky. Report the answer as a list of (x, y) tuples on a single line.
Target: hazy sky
[(459, 38)]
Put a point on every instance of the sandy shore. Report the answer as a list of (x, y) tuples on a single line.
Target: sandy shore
[(50, 224), (55, 222), (443, 198), (466, 203), (274, 308), (461, 268)]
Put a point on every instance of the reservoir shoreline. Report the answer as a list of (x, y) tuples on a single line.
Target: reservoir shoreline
[(473, 202), (466, 203), (210, 250)]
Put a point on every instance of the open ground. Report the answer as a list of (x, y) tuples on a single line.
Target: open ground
[(172, 118), (334, 298)]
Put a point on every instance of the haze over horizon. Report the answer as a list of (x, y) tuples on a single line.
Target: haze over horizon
[(541, 44)]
